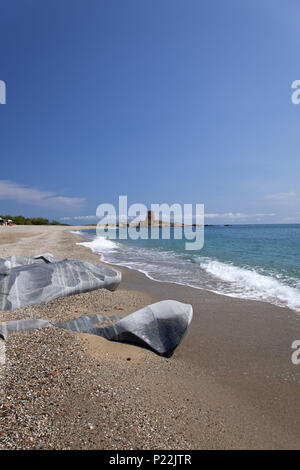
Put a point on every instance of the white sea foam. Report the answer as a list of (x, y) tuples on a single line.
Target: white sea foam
[(206, 273), (99, 244), (248, 283)]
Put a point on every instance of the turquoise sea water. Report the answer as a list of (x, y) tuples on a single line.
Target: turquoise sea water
[(259, 262)]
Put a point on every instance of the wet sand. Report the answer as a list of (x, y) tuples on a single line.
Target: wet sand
[(230, 384)]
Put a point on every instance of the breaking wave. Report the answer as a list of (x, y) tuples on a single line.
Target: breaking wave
[(248, 283), (200, 272)]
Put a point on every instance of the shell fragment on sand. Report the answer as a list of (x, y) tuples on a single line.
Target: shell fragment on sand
[(29, 281), (160, 326)]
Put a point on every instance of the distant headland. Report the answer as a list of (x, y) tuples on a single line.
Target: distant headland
[(151, 220)]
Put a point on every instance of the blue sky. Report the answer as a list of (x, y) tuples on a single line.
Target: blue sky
[(169, 101)]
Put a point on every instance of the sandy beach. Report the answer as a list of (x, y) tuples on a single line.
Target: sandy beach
[(229, 385)]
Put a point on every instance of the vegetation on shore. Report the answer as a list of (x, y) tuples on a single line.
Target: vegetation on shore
[(20, 220)]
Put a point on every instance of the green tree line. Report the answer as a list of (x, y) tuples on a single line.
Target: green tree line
[(20, 220)]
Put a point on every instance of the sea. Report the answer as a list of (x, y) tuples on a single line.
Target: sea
[(259, 262)]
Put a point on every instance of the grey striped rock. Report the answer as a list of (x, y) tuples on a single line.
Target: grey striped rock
[(29, 281), (159, 327), (2, 365)]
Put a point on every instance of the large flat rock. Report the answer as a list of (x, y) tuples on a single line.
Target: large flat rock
[(160, 326), (29, 281)]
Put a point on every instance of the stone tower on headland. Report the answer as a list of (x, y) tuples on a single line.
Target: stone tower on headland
[(151, 218)]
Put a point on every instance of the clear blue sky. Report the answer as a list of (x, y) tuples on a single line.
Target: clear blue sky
[(183, 101)]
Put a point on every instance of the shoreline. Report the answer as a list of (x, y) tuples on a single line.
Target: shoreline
[(283, 295), (230, 383)]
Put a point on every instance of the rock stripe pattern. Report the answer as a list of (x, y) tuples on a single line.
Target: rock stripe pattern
[(2, 360), (160, 326), (29, 281)]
